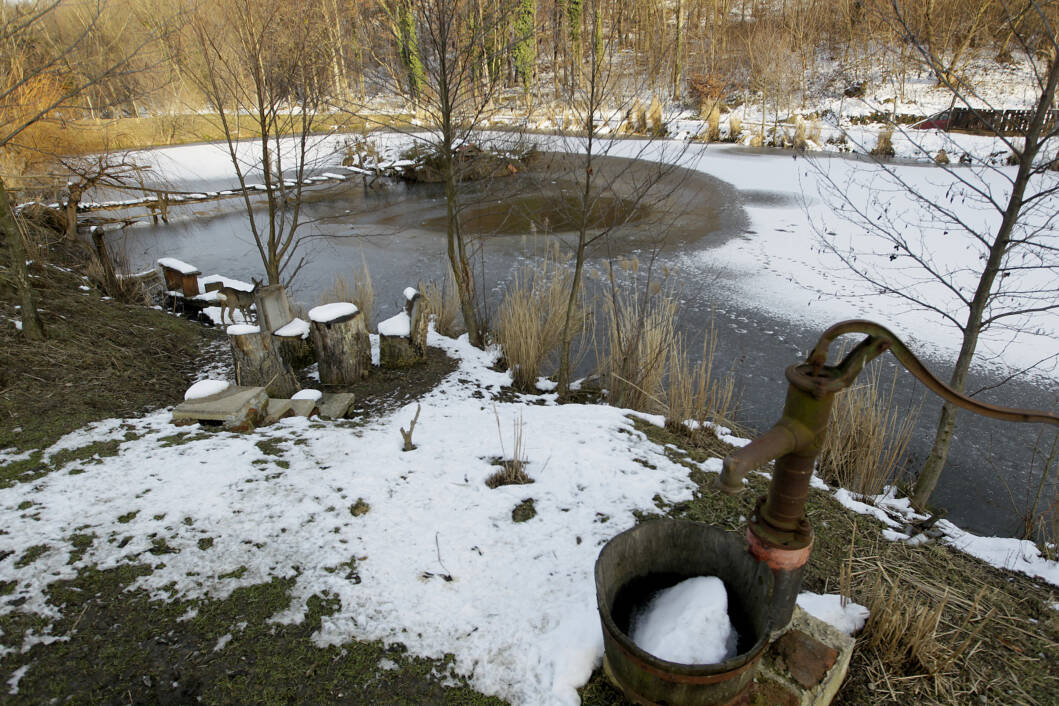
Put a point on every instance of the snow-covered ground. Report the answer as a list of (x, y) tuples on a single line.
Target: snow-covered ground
[(431, 558)]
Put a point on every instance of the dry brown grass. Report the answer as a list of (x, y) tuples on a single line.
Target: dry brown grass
[(529, 322), (512, 470), (713, 133), (360, 291), (695, 395), (443, 305), (735, 128), (884, 144), (639, 336), (867, 436), (927, 637)]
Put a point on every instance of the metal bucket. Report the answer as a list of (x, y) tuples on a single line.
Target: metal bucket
[(656, 555)]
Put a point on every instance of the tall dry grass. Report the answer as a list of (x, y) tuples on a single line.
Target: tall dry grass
[(867, 437), (640, 331), (443, 304), (529, 322), (360, 291), (696, 396)]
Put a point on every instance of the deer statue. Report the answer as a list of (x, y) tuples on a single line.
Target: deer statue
[(240, 299)]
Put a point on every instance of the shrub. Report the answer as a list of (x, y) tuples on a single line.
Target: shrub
[(713, 133), (735, 128), (361, 291)]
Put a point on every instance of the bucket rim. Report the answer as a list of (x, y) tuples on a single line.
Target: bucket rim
[(688, 673)]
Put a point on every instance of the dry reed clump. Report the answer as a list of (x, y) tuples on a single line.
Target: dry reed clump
[(529, 322), (867, 436), (815, 132), (713, 133), (735, 128), (696, 397), (800, 130), (442, 305), (361, 291), (884, 144), (132, 287), (919, 631), (512, 470), (639, 336)]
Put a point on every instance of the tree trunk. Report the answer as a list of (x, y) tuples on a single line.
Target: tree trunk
[(928, 477), (31, 325), (259, 364)]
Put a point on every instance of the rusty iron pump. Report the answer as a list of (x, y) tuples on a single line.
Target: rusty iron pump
[(778, 532)]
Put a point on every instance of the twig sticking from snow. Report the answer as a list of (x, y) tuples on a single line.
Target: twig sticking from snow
[(407, 435)]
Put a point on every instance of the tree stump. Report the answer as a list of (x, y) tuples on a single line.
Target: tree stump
[(259, 363), (403, 338), (341, 341), (294, 343)]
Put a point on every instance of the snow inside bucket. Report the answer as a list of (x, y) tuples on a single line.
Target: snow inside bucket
[(687, 623)]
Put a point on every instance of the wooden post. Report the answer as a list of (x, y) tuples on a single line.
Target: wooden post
[(110, 280), (341, 341), (71, 211), (403, 338), (415, 307), (258, 362), (273, 307)]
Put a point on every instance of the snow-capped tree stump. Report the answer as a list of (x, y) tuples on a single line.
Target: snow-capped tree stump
[(340, 339), (403, 338), (258, 362), (294, 343)]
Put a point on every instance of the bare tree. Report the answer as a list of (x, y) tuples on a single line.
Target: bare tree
[(39, 87), (607, 198), (266, 59), (452, 52), (1012, 228)]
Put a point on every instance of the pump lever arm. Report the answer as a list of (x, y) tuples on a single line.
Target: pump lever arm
[(881, 339)]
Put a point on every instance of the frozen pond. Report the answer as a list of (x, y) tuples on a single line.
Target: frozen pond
[(730, 269)]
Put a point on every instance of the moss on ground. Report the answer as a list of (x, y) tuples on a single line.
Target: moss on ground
[(101, 359), (124, 647)]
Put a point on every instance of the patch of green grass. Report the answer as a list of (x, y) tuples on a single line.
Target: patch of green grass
[(524, 511), (81, 543), (233, 574), (271, 446), (124, 647), (159, 547), (31, 555), (181, 438), (128, 517), (205, 543)]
